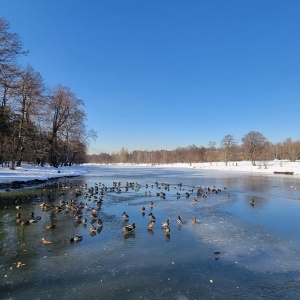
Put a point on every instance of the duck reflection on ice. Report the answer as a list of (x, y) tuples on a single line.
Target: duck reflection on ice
[(129, 235)]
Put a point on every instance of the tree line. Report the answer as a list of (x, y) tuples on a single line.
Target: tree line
[(254, 147), (37, 124)]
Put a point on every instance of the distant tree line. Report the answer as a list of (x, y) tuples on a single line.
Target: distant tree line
[(37, 124), (254, 147)]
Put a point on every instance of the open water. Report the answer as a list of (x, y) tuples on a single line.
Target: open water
[(234, 251)]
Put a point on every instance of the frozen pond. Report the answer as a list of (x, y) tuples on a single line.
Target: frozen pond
[(234, 251)]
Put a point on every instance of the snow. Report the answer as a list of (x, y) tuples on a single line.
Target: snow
[(31, 172), (266, 167)]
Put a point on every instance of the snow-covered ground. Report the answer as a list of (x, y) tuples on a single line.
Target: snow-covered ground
[(266, 167), (32, 172)]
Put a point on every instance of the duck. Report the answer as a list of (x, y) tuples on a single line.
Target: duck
[(50, 226), (18, 219), (179, 221), (25, 222), (252, 202), (93, 215), (167, 230), (94, 211), (165, 224), (151, 224), (32, 218), (152, 217), (76, 238), (92, 228), (194, 221), (46, 241), (100, 223), (129, 228), (125, 216), (77, 218)]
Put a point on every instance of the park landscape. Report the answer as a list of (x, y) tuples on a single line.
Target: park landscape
[(149, 150)]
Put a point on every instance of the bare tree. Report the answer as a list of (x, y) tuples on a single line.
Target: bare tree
[(229, 143), (276, 150), (254, 144), (29, 94), (10, 45), (211, 152), (291, 149), (10, 50), (123, 155), (62, 107)]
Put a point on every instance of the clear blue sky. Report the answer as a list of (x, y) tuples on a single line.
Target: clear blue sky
[(163, 74)]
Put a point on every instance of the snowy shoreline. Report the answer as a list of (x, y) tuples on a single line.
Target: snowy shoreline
[(269, 167), (32, 173)]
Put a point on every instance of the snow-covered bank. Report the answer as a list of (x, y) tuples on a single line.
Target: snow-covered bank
[(33, 172), (268, 167)]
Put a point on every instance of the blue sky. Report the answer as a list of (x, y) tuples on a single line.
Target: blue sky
[(163, 74)]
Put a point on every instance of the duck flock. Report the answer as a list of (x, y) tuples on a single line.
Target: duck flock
[(87, 203)]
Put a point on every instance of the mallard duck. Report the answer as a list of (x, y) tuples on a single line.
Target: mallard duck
[(46, 241), (252, 202), (93, 216), (167, 230), (151, 224), (129, 228), (179, 221), (94, 211), (125, 216), (77, 218), (92, 228), (76, 238), (143, 209), (152, 217), (165, 224), (194, 221)]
